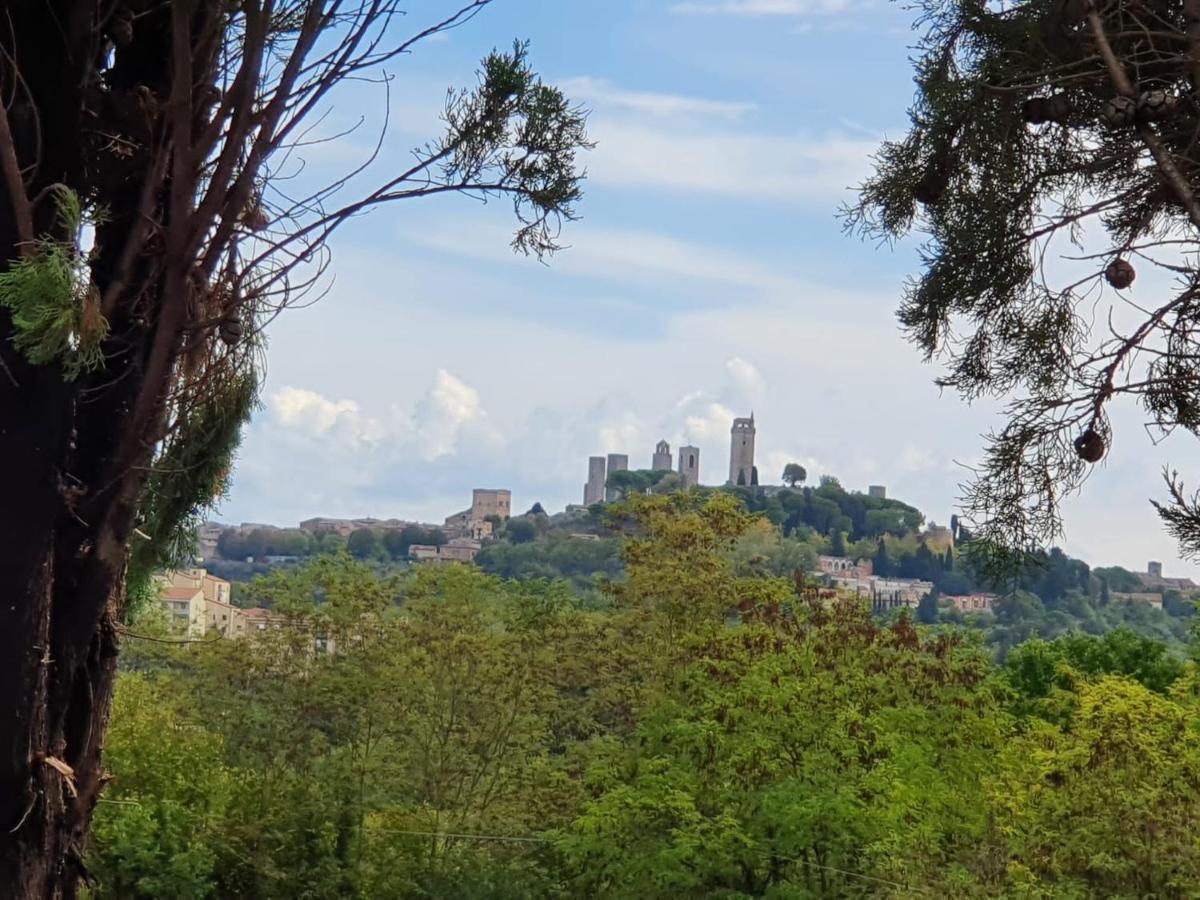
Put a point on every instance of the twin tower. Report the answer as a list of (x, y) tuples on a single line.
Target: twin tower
[(741, 464)]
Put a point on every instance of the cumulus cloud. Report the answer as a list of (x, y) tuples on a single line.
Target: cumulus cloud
[(747, 381), (429, 431), (311, 412), (449, 406)]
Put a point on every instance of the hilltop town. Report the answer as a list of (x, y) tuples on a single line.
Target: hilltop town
[(842, 556)]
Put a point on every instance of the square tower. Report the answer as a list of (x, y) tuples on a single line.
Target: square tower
[(689, 465), (593, 491), (741, 452), (617, 462)]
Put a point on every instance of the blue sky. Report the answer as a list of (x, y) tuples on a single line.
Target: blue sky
[(709, 276)]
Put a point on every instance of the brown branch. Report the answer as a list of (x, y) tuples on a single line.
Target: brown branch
[(1149, 137), (11, 170)]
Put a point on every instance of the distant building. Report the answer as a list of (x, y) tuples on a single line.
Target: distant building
[(661, 462), (200, 602), (207, 536), (689, 465), (186, 606), (884, 593), (472, 523), (877, 490), (972, 602), (741, 452), (617, 462), (258, 619), (938, 537), (457, 550), (1153, 578), (1149, 599), (593, 490), (345, 527), (839, 565)]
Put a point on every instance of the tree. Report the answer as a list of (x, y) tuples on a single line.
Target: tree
[(128, 367), (364, 543), (881, 564), (837, 542), (794, 474), (1036, 126), (927, 608), (521, 530)]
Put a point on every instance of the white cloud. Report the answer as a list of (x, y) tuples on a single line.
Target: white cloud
[(783, 168), (598, 92), (762, 8), (747, 381), (309, 411), (447, 408), (429, 431)]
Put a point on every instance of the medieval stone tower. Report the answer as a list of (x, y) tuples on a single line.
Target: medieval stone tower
[(617, 462), (689, 465), (593, 491), (741, 452), (662, 457)]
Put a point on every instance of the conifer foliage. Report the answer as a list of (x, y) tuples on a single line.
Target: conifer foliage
[(1053, 166)]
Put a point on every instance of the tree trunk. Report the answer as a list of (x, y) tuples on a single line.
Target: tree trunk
[(70, 473)]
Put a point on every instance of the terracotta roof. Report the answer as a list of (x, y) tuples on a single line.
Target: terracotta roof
[(181, 593)]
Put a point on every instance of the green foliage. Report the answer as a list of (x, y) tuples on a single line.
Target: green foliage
[(55, 308), (188, 477), (364, 543), (521, 136), (998, 185), (709, 732), (157, 832), (521, 530)]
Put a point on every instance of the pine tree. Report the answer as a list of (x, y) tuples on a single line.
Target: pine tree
[(1036, 125)]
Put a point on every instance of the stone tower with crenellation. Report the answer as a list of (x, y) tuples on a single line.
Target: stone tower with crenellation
[(741, 452)]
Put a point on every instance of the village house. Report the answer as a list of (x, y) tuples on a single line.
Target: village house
[(457, 550), (1149, 598), (200, 602), (968, 603)]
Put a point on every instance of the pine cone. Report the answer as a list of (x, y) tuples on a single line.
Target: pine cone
[(1120, 274)]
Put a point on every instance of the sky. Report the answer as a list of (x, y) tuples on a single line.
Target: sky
[(709, 276)]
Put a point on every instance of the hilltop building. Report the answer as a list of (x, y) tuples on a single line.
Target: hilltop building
[(1153, 578), (617, 462), (661, 462), (473, 523), (456, 550), (689, 465), (877, 490), (741, 452), (593, 490), (200, 603)]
